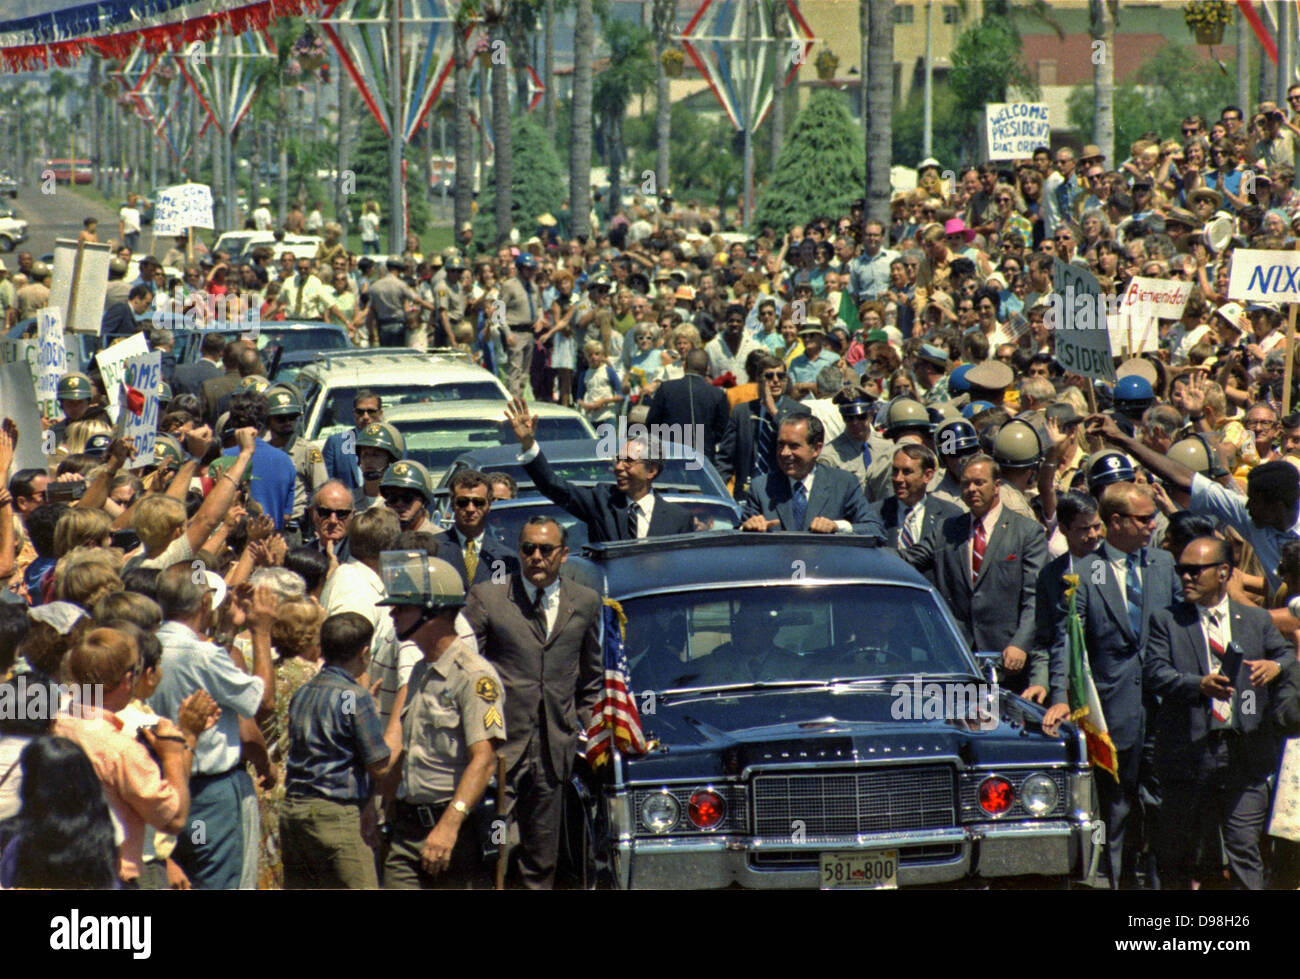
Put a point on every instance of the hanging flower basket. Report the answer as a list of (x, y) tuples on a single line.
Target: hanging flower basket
[(827, 63), (309, 50), (1207, 20), (483, 51), (673, 61)]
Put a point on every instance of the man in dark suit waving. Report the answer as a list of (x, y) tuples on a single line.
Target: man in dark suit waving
[(985, 564), (693, 404), (468, 545), (1122, 585), (542, 633), (628, 510), (1212, 661)]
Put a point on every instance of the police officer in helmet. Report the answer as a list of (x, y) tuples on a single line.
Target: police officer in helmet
[(378, 446), (407, 491), (284, 410), (453, 725)]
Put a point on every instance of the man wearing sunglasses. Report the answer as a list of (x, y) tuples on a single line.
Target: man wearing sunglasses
[(542, 633), (628, 510), (340, 450), (475, 554), (331, 516), (1212, 663), (1122, 585), (748, 446)]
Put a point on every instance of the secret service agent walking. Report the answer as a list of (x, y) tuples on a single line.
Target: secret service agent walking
[(452, 727)]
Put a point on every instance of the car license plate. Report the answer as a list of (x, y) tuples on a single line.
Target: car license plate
[(871, 869)]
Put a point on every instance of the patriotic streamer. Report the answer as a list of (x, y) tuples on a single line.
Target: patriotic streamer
[(358, 29), (86, 18), (1262, 32), (166, 37), (224, 80), (714, 40)]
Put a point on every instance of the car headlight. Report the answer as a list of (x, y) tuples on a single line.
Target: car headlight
[(660, 812), (1038, 795)]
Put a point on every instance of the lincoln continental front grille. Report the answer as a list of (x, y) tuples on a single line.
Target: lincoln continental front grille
[(837, 803)]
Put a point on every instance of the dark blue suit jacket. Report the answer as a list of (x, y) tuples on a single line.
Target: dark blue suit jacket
[(339, 463), (1176, 661), (835, 495), (492, 556), (888, 511), (1115, 653)]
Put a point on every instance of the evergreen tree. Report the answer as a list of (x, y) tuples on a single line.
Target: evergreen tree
[(371, 166), (538, 186), (821, 169)]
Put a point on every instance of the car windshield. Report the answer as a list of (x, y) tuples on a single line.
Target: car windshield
[(685, 473), (436, 442), (505, 523), (784, 633), (337, 415), (312, 338)]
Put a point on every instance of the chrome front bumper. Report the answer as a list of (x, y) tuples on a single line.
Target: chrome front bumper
[(1046, 848)]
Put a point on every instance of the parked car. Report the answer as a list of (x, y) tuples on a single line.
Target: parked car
[(13, 232), (437, 432), (398, 375), (781, 681), (8, 185), (304, 338)]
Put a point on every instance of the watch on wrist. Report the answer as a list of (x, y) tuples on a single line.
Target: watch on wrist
[(460, 807)]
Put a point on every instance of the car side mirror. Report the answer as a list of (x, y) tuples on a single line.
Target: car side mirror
[(988, 663)]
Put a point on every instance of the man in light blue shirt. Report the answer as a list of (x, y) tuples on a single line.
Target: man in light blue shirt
[(218, 849), (869, 272), (805, 368)]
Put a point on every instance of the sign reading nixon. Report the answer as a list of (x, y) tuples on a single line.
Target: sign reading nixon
[(1015, 129), (1265, 275)]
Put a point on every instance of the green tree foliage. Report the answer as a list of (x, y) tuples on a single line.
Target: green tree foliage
[(719, 174), (821, 169), (987, 65), (946, 128), (370, 162), (1171, 84), (538, 186)]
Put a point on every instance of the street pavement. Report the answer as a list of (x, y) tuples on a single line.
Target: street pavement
[(58, 215)]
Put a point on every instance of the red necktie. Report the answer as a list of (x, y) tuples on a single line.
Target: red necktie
[(977, 551)]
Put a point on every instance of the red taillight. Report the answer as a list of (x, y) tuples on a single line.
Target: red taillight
[(706, 809), (996, 795)]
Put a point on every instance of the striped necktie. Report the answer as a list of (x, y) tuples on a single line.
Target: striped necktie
[(905, 536), (978, 544), (1220, 710), (764, 444)]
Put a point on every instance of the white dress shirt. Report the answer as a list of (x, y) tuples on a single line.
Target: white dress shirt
[(550, 601), (1118, 562)]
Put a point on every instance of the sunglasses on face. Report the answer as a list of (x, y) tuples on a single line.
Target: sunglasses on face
[(325, 513), (400, 498), (365, 411), (465, 502), (774, 375), (528, 549), (1192, 570)]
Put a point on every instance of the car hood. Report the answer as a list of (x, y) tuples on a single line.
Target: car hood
[(719, 734)]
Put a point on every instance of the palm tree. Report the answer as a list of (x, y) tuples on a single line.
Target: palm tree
[(462, 128), (780, 59), (1104, 14), (663, 16), (548, 66), (629, 74), (878, 76), (584, 42), (503, 166)]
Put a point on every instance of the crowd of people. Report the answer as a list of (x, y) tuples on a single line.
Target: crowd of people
[(302, 678)]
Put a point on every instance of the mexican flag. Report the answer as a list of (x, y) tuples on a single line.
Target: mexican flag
[(1085, 705)]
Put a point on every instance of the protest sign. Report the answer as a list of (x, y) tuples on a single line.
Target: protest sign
[(1156, 298), (51, 360), (1015, 129), (18, 404), (80, 280), (1264, 276), (1078, 318), (138, 397), (182, 207), (112, 364)]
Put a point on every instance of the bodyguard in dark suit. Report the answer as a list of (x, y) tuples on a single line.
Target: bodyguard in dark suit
[(189, 378), (628, 510), (748, 446), (469, 546), (340, 451), (911, 513), (690, 401), (1215, 744), (1076, 515), (542, 633), (985, 564), (804, 495), (1121, 586)]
